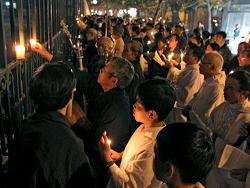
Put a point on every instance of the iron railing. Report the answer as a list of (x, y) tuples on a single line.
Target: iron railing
[(21, 20)]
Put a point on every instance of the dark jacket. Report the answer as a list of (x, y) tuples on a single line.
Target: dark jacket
[(110, 111), (49, 154)]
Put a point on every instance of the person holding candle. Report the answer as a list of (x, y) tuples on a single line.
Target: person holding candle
[(155, 100), (189, 80)]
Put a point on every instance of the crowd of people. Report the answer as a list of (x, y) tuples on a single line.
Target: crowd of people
[(148, 110)]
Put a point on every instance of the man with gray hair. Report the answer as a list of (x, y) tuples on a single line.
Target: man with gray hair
[(108, 110), (211, 93)]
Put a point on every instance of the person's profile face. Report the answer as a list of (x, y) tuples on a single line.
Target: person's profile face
[(232, 91), (139, 111)]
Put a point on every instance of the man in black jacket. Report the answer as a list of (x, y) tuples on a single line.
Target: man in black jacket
[(47, 152)]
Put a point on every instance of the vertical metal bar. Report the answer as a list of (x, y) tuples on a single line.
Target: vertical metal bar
[(20, 22), (39, 20), (28, 19), (3, 49), (34, 18), (12, 22), (50, 28)]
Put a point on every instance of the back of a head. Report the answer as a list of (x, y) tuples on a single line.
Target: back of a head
[(197, 51), (136, 47), (213, 58), (205, 35), (118, 30), (136, 29), (157, 95), (214, 46), (51, 86), (123, 70), (187, 147)]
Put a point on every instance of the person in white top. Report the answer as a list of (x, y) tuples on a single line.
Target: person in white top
[(211, 92), (155, 100), (189, 80), (184, 154)]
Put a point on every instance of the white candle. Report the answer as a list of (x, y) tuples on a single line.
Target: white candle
[(109, 141), (182, 55), (33, 43), (20, 52), (149, 42), (170, 56)]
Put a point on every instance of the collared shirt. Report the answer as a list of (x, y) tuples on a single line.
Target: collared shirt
[(188, 83), (136, 169), (227, 118), (210, 95)]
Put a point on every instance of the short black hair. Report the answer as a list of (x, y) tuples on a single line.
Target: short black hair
[(51, 86), (157, 95), (214, 46), (206, 34), (136, 29), (243, 78), (196, 51), (222, 33), (188, 147)]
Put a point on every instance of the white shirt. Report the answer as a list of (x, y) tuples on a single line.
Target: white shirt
[(188, 83), (210, 95), (136, 169)]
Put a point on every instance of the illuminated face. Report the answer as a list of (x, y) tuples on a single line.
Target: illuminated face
[(173, 42), (139, 111), (232, 91)]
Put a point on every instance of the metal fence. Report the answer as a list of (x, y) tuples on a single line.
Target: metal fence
[(21, 20)]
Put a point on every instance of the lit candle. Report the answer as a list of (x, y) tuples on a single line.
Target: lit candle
[(170, 56), (20, 52), (147, 52), (149, 42), (109, 142), (33, 43), (164, 21), (143, 20), (182, 55)]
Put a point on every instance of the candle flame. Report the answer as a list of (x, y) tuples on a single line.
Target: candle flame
[(170, 56), (108, 141), (32, 42)]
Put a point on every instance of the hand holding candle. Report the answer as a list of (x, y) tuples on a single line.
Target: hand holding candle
[(182, 55), (32, 43), (104, 146), (170, 56), (20, 52)]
